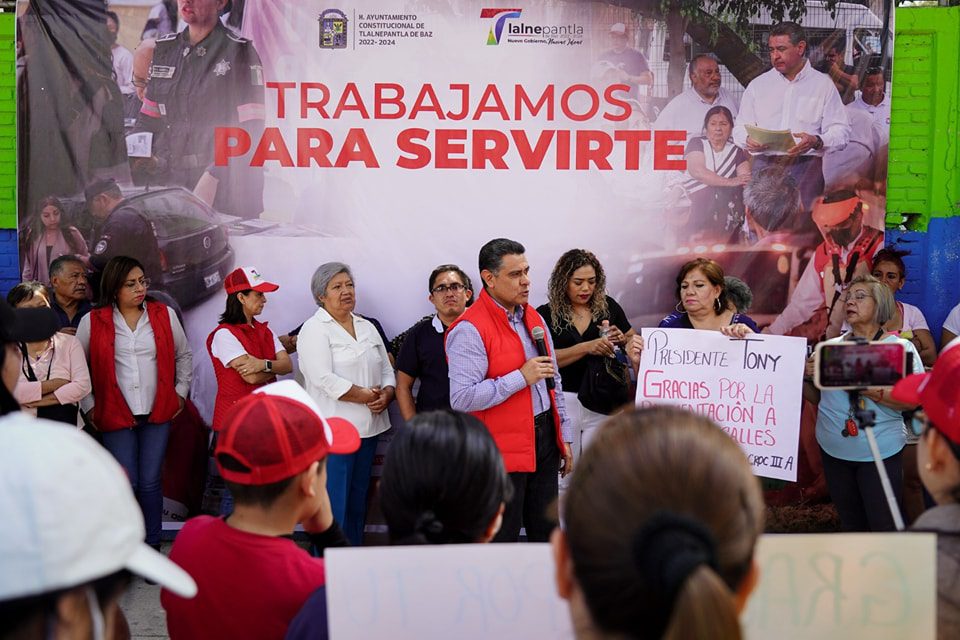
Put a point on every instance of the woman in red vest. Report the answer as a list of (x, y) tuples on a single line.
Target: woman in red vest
[(140, 365), (245, 352)]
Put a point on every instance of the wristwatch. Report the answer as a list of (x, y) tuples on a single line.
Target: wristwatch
[(819, 143), (268, 366)]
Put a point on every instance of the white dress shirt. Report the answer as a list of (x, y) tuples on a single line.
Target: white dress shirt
[(135, 358), (843, 168), (810, 103), (687, 111), (880, 114), (123, 68), (332, 362)]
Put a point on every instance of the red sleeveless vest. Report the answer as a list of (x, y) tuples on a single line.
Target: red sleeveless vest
[(257, 340), (111, 412), (511, 422)]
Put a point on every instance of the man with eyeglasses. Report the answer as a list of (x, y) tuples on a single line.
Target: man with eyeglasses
[(847, 251), (421, 355), (687, 111)]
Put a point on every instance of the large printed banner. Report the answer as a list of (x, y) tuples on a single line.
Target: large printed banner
[(854, 586), (751, 387), (399, 135)]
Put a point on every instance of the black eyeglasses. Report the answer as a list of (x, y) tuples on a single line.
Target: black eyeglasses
[(456, 287)]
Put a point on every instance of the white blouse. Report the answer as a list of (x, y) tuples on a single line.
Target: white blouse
[(331, 362), (135, 358)]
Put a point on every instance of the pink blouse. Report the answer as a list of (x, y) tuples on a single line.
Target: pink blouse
[(63, 358)]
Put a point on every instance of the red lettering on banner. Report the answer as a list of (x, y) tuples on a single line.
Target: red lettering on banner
[(355, 103), (271, 147), (222, 149), (563, 149), (663, 149), (306, 104), (380, 100), (464, 101), (448, 142), (407, 143), (356, 148), (521, 99), (594, 102), (281, 88), (532, 158), (427, 100), (631, 139), (307, 152), (587, 152), (491, 94), (625, 107), (483, 153)]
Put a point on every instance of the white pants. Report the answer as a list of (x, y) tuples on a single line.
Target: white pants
[(584, 423)]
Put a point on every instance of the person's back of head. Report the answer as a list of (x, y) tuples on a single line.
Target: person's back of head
[(661, 520), (273, 436), (68, 546), (443, 481), (772, 199)]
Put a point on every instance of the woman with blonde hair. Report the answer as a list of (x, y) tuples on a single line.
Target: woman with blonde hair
[(647, 552)]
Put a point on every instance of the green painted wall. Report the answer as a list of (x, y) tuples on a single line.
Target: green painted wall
[(8, 123), (924, 167)]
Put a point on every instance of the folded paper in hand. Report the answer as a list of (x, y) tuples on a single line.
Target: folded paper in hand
[(774, 140)]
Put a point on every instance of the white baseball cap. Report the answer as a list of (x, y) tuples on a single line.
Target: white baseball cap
[(618, 28), (69, 514)]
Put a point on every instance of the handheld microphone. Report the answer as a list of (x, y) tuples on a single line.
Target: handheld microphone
[(537, 334)]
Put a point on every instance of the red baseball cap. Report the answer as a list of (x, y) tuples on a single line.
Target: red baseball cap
[(277, 432), (244, 278), (937, 391)]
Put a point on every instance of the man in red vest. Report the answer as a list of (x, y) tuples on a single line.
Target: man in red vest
[(497, 374)]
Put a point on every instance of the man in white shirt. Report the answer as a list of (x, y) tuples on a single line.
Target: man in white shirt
[(873, 100), (687, 110), (793, 96), (857, 164)]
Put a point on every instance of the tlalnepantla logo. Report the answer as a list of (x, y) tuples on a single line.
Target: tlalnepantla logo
[(498, 18)]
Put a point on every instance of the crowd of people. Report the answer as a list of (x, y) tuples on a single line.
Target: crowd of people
[(508, 406)]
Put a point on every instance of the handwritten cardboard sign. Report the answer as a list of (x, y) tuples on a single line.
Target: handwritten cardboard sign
[(871, 586), (751, 388), (468, 592)]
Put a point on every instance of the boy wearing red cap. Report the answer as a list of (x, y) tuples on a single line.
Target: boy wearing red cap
[(939, 463), (252, 577)]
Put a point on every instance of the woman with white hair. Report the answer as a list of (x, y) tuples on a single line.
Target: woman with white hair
[(852, 478), (347, 372)]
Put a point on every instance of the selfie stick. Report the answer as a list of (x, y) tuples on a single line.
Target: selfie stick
[(865, 418)]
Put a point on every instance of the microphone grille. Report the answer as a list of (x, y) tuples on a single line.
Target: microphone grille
[(537, 333)]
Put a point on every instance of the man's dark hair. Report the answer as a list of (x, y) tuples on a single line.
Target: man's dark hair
[(444, 268), (792, 29), (491, 254), (258, 495), (773, 199), (59, 264), (697, 58)]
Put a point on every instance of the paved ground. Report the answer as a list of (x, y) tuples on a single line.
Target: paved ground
[(141, 605)]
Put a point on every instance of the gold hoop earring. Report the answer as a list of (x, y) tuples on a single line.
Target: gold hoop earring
[(679, 307)]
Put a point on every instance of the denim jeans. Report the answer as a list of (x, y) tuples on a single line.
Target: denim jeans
[(140, 451), (348, 479)]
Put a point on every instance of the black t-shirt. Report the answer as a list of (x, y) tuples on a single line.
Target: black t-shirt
[(572, 374), (422, 356)]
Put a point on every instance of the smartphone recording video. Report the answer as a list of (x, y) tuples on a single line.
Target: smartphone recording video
[(856, 365)]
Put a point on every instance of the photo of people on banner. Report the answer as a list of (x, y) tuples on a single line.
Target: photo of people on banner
[(203, 136)]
